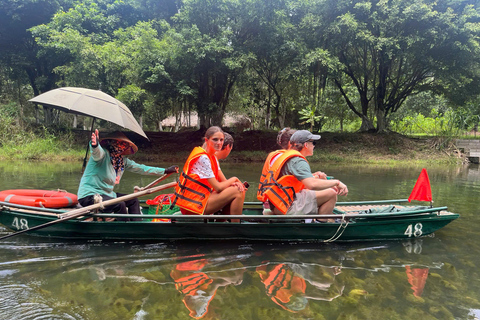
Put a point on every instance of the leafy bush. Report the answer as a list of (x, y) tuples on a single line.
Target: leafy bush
[(34, 143), (445, 124)]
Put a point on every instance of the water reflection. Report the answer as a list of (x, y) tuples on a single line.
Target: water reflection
[(95, 280), (417, 277), (199, 285), (139, 281), (292, 285)]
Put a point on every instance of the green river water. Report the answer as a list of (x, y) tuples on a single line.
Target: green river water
[(435, 277)]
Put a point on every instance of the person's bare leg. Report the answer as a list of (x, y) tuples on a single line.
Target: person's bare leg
[(231, 199), (235, 207), (326, 200)]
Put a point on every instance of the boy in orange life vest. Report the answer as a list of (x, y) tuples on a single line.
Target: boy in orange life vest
[(226, 148), (300, 193), (203, 188)]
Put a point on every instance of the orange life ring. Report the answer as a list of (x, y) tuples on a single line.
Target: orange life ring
[(39, 198)]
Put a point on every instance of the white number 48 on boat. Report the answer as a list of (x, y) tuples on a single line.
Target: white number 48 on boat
[(416, 230), (20, 224)]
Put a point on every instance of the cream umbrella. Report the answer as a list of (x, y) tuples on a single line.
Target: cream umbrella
[(93, 103)]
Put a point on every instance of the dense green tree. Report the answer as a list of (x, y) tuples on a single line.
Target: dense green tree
[(157, 65), (83, 40), (213, 34), (391, 50), (275, 55), (18, 49), (285, 62)]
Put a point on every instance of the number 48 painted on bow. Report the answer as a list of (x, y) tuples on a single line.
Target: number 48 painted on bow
[(20, 224), (416, 230)]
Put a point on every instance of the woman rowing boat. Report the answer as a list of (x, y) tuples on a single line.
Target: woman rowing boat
[(105, 169)]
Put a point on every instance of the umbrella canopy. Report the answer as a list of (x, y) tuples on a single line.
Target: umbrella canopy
[(93, 103)]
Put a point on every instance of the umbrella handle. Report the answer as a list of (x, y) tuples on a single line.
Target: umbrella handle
[(85, 159)]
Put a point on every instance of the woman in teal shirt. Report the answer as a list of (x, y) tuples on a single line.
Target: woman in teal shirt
[(105, 169)]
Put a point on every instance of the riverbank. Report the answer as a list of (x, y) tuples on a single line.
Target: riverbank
[(253, 146), (249, 146)]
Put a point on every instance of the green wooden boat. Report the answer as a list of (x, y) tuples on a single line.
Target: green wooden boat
[(354, 221)]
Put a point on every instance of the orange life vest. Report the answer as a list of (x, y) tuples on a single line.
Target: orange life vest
[(266, 168), (281, 283), (280, 192), (192, 193)]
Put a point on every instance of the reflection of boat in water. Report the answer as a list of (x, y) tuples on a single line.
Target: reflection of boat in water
[(354, 221), (199, 287), (153, 278), (292, 285)]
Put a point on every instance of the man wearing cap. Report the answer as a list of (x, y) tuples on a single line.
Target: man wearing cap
[(105, 169), (292, 189)]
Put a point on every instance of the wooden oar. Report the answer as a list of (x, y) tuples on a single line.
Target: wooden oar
[(86, 210), (152, 184)]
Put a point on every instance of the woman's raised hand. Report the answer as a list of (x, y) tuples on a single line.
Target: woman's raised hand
[(95, 138)]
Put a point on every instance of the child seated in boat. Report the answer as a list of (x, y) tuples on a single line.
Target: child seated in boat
[(291, 188), (203, 188), (226, 148), (105, 169)]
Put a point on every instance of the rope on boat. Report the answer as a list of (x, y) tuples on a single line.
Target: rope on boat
[(337, 235), (98, 199)]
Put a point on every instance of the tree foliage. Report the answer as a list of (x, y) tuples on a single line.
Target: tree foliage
[(301, 63)]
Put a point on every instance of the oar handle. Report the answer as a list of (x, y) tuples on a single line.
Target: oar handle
[(154, 183)]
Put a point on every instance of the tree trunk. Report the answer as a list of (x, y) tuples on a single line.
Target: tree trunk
[(268, 115), (381, 92), (381, 121), (367, 125), (280, 114)]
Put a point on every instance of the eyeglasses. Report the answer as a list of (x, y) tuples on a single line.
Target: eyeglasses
[(312, 141)]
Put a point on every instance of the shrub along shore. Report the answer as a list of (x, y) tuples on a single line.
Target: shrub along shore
[(249, 146)]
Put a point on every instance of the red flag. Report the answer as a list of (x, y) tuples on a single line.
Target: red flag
[(422, 190)]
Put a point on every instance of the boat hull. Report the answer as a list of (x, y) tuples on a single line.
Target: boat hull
[(365, 228)]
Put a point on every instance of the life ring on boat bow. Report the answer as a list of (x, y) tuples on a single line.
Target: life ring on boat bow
[(39, 198)]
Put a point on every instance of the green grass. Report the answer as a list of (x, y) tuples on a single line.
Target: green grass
[(39, 146), (40, 150)]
